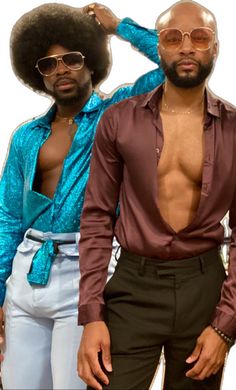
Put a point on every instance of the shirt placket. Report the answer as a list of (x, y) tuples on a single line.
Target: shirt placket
[(208, 163)]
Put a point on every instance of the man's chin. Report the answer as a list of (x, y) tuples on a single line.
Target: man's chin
[(67, 100), (70, 96), (186, 83), (189, 80)]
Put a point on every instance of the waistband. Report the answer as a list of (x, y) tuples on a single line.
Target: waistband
[(173, 266), (57, 238)]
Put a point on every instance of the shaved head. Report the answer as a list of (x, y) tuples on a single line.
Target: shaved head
[(184, 8)]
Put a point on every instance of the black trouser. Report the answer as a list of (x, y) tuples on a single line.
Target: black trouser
[(152, 304)]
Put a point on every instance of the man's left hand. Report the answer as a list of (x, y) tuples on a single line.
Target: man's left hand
[(209, 354)]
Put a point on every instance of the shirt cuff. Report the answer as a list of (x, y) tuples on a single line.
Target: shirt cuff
[(90, 313), (225, 322)]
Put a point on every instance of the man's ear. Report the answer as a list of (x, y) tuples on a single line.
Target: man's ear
[(216, 49)]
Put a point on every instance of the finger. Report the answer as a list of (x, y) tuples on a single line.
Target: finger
[(106, 357), (2, 332), (89, 9), (97, 370), (216, 369), (196, 369), (87, 375), (98, 21), (206, 372), (91, 6), (195, 354)]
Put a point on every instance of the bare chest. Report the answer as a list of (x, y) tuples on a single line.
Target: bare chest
[(183, 148), (54, 151)]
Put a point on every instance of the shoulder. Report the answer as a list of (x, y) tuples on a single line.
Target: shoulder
[(226, 110), (228, 114), (126, 105), (22, 133), (227, 106)]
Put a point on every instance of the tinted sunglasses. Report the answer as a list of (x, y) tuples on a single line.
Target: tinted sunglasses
[(172, 38), (48, 65)]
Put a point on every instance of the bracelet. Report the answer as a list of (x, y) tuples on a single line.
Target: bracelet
[(228, 340)]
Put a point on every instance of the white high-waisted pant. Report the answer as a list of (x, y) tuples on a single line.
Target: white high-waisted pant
[(41, 332)]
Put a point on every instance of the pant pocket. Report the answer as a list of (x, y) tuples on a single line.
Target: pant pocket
[(110, 285)]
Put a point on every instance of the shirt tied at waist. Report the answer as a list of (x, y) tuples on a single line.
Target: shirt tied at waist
[(43, 259)]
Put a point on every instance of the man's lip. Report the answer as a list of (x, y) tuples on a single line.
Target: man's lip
[(64, 83), (187, 62)]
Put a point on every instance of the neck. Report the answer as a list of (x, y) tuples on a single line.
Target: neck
[(182, 99), (71, 110)]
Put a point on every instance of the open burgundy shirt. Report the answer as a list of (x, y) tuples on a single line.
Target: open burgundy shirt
[(126, 152)]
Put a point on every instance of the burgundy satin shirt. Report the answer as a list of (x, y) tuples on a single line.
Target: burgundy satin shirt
[(127, 149)]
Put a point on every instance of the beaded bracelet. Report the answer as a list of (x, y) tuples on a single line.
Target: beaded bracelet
[(228, 340)]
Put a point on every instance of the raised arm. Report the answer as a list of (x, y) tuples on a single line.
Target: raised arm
[(142, 39)]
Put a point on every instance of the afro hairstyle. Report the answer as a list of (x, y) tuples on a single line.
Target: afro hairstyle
[(51, 24)]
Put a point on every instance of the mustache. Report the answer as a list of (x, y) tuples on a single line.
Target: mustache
[(187, 60), (64, 80)]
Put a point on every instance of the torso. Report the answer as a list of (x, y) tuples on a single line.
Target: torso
[(180, 169), (51, 158)]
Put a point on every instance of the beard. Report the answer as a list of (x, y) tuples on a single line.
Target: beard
[(187, 81), (69, 99)]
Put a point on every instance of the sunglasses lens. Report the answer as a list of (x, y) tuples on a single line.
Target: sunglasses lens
[(73, 61), (201, 38), (47, 66), (170, 38)]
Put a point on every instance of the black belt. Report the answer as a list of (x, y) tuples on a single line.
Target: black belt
[(56, 243)]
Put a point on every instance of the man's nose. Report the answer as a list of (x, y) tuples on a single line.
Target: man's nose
[(61, 68), (187, 45)]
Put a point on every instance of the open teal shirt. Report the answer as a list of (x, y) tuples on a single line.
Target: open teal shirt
[(20, 206)]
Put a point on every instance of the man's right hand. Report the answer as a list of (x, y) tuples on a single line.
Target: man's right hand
[(2, 336), (95, 340), (104, 17)]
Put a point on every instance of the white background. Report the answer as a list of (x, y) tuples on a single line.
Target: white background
[(19, 104)]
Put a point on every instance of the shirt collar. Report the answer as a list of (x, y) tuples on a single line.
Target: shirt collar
[(213, 102), (93, 104)]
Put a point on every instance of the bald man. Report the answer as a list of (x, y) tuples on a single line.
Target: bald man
[(161, 156)]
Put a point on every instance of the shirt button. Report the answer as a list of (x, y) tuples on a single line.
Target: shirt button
[(158, 150)]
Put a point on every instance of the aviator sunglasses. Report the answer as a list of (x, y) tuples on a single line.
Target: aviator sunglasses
[(48, 65), (172, 38)]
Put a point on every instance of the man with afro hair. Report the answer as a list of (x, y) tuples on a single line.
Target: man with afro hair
[(63, 52)]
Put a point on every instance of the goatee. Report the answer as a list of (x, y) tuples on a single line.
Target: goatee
[(187, 81), (80, 94)]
